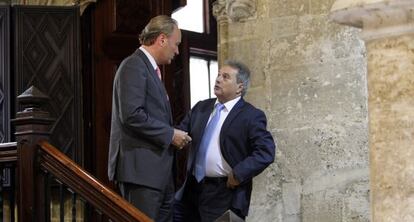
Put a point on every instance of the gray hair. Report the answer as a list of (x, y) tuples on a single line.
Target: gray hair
[(161, 24), (243, 73)]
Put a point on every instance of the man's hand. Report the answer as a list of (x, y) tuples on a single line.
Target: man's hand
[(232, 182), (180, 138)]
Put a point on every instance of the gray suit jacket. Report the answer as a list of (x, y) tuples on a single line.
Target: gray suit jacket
[(141, 127)]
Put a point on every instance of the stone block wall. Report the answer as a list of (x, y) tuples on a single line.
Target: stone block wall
[(309, 76)]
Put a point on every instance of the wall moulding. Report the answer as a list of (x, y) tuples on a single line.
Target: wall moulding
[(377, 19)]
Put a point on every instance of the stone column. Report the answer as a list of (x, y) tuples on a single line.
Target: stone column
[(227, 11), (387, 27)]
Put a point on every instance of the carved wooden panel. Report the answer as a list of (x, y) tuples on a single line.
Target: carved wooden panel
[(4, 74), (47, 55)]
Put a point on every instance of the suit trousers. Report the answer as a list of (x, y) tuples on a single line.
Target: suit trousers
[(156, 204), (207, 200)]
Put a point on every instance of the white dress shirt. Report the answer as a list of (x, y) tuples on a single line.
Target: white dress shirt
[(150, 58), (216, 165)]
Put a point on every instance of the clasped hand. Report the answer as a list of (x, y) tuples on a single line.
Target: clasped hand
[(180, 138)]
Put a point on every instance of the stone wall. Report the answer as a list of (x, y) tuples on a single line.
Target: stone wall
[(387, 29), (309, 76)]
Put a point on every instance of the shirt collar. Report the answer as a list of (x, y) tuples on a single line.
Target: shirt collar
[(229, 104), (150, 58)]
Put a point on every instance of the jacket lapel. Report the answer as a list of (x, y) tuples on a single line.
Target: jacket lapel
[(232, 115), (204, 116), (158, 82), (199, 125)]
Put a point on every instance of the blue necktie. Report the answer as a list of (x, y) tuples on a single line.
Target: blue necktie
[(200, 164)]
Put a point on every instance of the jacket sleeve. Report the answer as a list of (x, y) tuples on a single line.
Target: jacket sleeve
[(186, 123), (262, 147), (132, 94)]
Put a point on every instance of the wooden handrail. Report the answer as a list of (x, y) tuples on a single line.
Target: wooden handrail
[(77, 179), (37, 160), (8, 152)]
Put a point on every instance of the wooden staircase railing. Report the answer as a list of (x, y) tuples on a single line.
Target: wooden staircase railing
[(8, 165), (53, 161), (8, 152), (40, 167)]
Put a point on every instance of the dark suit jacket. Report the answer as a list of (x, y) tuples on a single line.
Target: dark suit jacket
[(245, 144), (141, 127)]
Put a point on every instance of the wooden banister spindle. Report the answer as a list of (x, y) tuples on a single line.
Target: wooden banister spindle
[(32, 125)]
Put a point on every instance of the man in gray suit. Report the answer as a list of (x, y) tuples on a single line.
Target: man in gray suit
[(140, 156)]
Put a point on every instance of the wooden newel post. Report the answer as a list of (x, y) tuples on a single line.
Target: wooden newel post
[(32, 125)]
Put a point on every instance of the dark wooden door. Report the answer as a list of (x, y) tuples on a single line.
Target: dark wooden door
[(116, 25), (4, 74)]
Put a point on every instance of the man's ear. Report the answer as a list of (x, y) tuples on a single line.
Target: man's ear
[(161, 39), (240, 88)]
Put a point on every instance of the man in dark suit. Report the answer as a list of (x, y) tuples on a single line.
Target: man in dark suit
[(140, 157), (230, 146)]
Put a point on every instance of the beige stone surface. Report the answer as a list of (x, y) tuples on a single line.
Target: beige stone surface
[(388, 27), (391, 104), (288, 8)]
